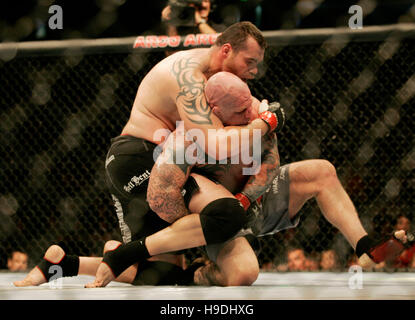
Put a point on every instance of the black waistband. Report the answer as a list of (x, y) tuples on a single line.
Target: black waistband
[(126, 144)]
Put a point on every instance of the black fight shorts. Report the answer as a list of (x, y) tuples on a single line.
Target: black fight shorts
[(128, 166)]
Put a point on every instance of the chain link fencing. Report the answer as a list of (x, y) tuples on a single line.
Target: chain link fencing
[(349, 98)]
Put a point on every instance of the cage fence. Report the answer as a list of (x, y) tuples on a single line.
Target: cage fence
[(348, 98)]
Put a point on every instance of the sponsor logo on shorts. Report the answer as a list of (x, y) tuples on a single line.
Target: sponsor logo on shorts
[(283, 173), (275, 185), (136, 181), (282, 176), (125, 230)]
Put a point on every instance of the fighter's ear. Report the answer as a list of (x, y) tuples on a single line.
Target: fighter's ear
[(226, 50), (215, 109)]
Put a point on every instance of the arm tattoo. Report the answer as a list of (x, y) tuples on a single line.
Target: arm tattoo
[(167, 179), (259, 183), (191, 94), (164, 192)]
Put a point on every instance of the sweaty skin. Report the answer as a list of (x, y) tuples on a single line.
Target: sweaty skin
[(191, 225), (173, 91), (230, 99)]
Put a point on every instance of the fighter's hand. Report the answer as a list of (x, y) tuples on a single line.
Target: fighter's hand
[(274, 117), (244, 200), (198, 17), (165, 13)]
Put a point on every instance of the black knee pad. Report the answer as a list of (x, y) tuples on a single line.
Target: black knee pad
[(221, 219), (69, 267)]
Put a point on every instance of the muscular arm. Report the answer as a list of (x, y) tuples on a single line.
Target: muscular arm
[(167, 179), (259, 183), (196, 113)]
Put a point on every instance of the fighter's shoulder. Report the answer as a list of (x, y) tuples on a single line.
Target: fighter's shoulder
[(189, 62)]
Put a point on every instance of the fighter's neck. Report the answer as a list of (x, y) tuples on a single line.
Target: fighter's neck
[(212, 63)]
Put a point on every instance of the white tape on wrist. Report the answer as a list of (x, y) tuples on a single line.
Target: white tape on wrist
[(263, 106)]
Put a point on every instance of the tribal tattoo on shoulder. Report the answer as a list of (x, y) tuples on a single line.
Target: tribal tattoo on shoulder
[(191, 94)]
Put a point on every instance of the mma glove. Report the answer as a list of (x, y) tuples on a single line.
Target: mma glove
[(244, 200), (274, 117), (382, 250), (253, 212)]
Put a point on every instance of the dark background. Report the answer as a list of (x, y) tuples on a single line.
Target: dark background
[(58, 114), (22, 20)]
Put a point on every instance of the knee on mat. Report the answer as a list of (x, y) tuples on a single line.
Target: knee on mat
[(243, 276), (111, 245)]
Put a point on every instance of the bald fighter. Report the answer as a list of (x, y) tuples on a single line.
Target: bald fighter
[(170, 92), (173, 91), (234, 262), (241, 109)]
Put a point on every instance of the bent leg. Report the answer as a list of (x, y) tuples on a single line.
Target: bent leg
[(318, 178), (54, 254), (236, 265), (87, 266), (127, 275), (187, 232)]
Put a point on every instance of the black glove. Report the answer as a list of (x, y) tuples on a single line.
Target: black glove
[(276, 108), (274, 117)]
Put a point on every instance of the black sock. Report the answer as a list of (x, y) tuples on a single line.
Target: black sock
[(364, 245), (126, 255)]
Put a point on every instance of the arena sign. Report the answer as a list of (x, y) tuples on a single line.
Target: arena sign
[(163, 41)]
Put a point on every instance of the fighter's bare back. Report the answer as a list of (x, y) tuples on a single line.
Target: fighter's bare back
[(155, 103)]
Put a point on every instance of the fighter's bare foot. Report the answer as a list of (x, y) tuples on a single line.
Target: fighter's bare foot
[(35, 277), (103, 277)]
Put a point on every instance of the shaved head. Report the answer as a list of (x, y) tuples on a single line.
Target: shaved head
[(224, 89), (230, 98)]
